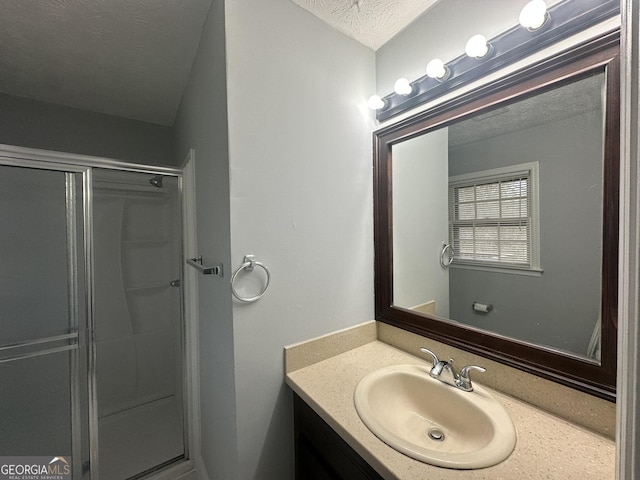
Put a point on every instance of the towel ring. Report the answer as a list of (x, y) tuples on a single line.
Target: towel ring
[(445, 263), (248, 265)]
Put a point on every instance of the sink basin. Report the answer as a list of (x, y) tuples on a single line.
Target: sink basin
[(434, 422)]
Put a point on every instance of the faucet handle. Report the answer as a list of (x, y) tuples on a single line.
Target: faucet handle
[(464, 381), (434, 357)]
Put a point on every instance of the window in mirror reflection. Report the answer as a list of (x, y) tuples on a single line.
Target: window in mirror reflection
[(471, 184), (493, 218)]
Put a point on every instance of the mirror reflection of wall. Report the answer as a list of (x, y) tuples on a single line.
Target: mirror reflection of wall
[(420, 223), (554, 304)]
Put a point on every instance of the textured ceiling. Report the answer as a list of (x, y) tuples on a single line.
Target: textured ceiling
[(132, 58), (371, 22), (560, 103), (129, 58)]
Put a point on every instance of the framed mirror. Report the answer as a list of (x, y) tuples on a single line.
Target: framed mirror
[(496, 219)]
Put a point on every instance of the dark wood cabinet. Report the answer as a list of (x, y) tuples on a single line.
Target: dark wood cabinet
[(321, 454)]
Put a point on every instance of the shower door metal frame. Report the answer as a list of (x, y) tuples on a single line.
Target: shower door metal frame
[(74, 163)]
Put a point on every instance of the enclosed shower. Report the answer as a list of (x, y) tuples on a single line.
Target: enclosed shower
[(92, 337)]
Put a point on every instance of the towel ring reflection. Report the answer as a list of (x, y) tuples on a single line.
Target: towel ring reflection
[(444, 263), (249, 264)]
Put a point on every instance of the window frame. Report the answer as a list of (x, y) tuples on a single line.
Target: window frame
[(532, 169)]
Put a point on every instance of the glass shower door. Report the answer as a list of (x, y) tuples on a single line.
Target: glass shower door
[(138, 322), (43, 364)]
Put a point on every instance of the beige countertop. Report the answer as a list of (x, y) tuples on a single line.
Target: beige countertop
[(547, 446)]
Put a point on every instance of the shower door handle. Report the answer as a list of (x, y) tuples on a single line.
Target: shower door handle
[(39, 346), (175, 283), (198, 265)]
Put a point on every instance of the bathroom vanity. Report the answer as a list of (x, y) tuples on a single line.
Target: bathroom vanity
[(451, 243), (333, 442), (321, 453)]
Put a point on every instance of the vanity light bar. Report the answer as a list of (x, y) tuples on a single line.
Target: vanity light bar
[(540, 29)]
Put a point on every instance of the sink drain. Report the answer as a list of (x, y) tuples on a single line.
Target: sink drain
[(436, 434)]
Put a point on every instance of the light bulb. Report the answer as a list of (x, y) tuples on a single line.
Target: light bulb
[(437, 69), (402, 87), (375, 102), (477, 46), (534, 14)]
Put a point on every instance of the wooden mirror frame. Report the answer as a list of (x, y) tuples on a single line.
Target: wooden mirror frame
[(601, 54)]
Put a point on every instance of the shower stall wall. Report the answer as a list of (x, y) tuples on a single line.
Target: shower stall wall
[(92, 342)]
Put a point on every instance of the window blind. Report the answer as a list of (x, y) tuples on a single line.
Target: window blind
[(490, 220)]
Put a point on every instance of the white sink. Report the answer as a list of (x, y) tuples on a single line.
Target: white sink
[(434, 422)]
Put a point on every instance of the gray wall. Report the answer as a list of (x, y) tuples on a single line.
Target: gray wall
[(560, 307), (30, 123), (301, 201), (202, 124), (292, 170)]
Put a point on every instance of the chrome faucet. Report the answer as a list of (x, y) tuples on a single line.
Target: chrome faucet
[(444, 372)]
